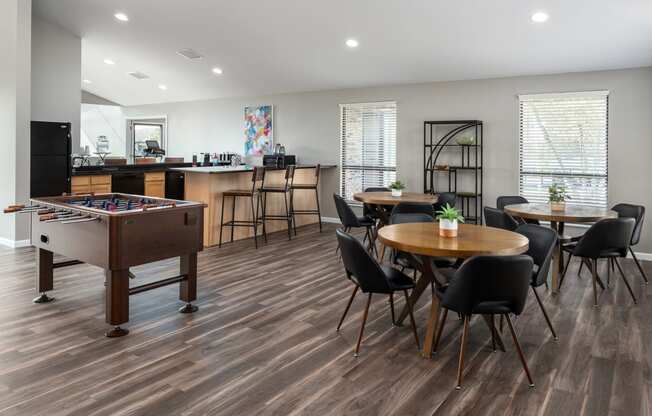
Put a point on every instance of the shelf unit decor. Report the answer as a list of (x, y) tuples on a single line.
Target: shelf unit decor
[(452, 154)]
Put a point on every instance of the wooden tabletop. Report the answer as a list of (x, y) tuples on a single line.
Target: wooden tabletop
[(386, 198), (571, 213), (472, 240)]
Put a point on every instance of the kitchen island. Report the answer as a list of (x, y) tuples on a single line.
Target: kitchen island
[(206, 184)]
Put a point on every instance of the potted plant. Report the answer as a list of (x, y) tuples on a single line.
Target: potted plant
[(557, 196), (449, 218), (397, 188)]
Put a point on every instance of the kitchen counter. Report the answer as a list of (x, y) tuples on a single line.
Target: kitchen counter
[(207, 185), (241, 168), (107, 170)]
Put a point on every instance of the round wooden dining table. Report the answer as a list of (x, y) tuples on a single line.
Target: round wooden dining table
[(571, 214), (423, 242), (379, 200)]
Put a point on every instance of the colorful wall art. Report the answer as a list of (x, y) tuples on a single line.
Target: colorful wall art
[(258, 130)]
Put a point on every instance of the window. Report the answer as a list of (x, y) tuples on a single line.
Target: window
[(368, 146), (144, 130), (563, 139)]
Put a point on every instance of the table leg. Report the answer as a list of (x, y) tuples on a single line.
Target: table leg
[(45, 275), (431, 327), (382, 253), (556, 259), (188, 286), (117, 301)]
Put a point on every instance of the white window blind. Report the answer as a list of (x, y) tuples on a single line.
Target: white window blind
[(368, 146), (563, 139)]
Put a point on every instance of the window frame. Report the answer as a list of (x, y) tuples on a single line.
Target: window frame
[(580, 94), (344, 167)]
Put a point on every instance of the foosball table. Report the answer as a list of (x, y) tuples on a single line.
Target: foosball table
[(115, 232)]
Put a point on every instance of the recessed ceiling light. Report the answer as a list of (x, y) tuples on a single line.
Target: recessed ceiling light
[(539, 17), (109, 62), (217, 71), (87, 81), (121, 17), (352, 43), (162, 87)]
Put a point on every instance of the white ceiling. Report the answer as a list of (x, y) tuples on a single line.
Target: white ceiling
[(277, 46)]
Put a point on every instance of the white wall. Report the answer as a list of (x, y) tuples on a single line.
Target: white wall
[(15, 38), (308, 124), (56, 76), (103, 120)]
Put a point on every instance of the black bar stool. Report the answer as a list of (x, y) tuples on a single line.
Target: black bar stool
[(285, 190), (257, 181), (306, 186)]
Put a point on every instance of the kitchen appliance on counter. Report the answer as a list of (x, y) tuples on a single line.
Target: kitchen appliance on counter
[(51, 162), (279, 161)]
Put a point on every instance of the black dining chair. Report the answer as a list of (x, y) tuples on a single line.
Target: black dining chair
[(369, 210), (444, 198), (542, 242), (498, 218), (370, 277), (350, 220), (503, 201), (487, 285), (413, 208), (638, 213), (606, 239)]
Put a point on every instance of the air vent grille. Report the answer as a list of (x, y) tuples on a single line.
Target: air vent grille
[(139, 75), (190, 54)]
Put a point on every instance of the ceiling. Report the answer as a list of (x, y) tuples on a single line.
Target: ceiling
[(281, 46)]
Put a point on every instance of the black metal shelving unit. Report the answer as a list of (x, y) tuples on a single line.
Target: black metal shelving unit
[(463, 163)]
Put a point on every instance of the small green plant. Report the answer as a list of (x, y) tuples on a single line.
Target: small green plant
[(557, 193), (398, 185), (449, 213)]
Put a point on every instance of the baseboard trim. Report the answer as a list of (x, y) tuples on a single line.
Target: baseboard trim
[(14, 243), (641, 256), (333, 220)]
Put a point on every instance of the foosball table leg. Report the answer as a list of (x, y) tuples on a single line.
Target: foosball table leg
[(117, 301), (45, 275), (188, 286)]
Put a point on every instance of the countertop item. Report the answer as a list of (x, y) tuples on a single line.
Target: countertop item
[(241, 168)]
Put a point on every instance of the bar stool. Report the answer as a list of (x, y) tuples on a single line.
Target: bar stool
[(305, 186), (257, 181), (285, 190)]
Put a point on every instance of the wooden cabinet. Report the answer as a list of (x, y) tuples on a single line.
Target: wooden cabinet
[(85, 184), (155, 184)]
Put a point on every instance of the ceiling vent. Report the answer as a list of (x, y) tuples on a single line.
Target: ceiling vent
[(139, 75), (190, 54)]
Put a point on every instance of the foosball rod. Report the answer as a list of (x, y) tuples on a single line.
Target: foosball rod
[(81, 220), (76, 216)]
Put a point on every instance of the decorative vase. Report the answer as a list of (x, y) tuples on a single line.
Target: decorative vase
[(397, 192), (557, 206), (448, 228)]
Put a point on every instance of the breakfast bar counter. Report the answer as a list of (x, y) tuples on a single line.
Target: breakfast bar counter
[(207, 184)]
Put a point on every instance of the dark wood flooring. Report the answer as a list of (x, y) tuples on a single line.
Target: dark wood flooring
[(263, 342)]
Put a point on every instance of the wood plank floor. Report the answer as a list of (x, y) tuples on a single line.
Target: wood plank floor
[(264, 343)]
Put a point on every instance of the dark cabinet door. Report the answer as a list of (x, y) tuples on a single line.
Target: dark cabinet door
[(49, 175), (48, 138)]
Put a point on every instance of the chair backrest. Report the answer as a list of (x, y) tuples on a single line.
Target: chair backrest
[(542, 241), (257, 178), (444, 198), (413, 208), (503, 279), (503, 201), (632, 211), (360, 266), (408, 218), (345, 212), (605, 235), (366, 211), (498, 218)]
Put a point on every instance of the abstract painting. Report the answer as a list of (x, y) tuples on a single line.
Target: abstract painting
[(258, 130)]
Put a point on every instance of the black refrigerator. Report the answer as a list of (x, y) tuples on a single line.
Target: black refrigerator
[(50, 158)]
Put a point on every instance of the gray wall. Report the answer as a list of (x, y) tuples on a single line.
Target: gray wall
[(308, 124), (56, 75), (15, 38)]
